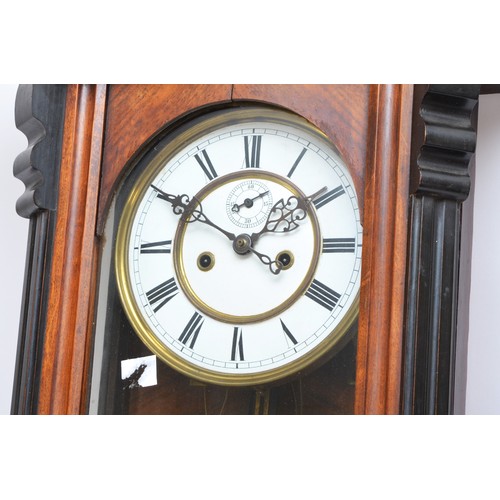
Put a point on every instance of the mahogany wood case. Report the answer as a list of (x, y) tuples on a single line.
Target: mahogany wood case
[(85, 139)]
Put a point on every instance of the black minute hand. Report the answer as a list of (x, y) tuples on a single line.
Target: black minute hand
[(190, 210), (284, 217)]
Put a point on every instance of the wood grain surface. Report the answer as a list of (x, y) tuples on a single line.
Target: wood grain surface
[(73, 274), (135, 114), (384, 252)]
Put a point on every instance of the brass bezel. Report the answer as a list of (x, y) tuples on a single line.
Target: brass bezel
[(179, 238), (209, 123)]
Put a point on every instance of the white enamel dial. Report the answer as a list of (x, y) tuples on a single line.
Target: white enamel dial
[(239, 251)]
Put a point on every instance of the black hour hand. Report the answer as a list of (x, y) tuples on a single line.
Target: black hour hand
[(180, 203), (190, 210)]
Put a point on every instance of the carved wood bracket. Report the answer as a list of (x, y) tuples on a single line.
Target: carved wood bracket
[(39, 114), (444, 140), (443, 145)]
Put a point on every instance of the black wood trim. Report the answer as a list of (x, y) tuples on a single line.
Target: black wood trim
[(40, 116), (443, 145)]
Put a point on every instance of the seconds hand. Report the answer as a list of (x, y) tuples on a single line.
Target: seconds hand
[(248, 202)]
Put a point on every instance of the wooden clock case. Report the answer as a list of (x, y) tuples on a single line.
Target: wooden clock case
[(408, 149)]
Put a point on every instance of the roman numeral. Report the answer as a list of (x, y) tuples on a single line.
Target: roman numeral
[(288, 333), (297, 161), (339, 245), (162, 293), (252, 151), (329, 196), (157, 247), (323, 295), (192, 330), (206, 165), (237, 346)]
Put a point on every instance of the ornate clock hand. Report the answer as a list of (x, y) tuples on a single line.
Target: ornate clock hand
[(284, 217), (198, 215), (275, 266), (186, 208), (243, 244), (294, 210), (248, 202)]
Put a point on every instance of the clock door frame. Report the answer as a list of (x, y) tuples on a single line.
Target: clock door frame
[(83, 138)]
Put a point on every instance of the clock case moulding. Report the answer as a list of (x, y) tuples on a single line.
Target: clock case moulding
[(409, 149)]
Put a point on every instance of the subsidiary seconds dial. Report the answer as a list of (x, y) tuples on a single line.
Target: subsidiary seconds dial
[(249, 203), (238, 252)]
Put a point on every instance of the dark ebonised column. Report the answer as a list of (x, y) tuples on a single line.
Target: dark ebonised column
[(39, 114), (443, 145)]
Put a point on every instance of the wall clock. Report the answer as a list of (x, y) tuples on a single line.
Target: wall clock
[(238, 254), (187, 222)]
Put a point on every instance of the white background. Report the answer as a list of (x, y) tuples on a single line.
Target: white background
[(195, 41), (14, 231), (483, 371)]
